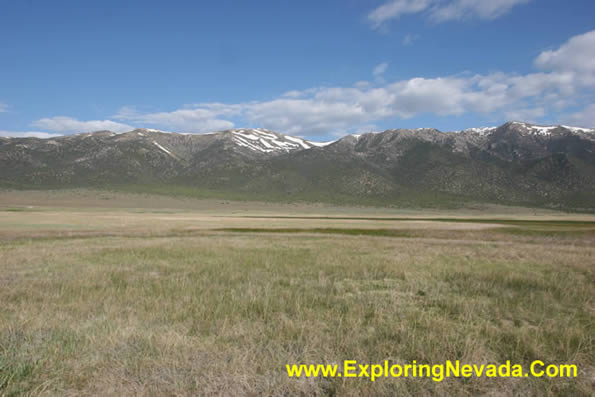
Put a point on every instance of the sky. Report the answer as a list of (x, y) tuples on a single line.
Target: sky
[(310, 68)]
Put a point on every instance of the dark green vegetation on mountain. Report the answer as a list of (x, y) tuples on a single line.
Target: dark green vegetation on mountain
[(515, 163)]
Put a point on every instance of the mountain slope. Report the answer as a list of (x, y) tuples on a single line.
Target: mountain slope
[(517, 162)]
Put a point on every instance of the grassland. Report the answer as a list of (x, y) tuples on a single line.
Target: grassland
[(105, 294)]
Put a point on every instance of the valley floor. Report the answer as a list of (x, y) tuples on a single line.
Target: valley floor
[(111, 294)]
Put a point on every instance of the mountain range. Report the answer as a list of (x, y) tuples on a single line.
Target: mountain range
[(515, 163)]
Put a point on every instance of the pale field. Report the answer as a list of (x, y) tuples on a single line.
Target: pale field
[(112, 294)]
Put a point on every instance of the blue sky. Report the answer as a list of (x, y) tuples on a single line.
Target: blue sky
[(317, 69)]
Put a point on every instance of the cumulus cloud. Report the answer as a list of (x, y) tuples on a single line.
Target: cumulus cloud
[(335, 109), (362, 84), (202, 118), (395, 8), (292, 94), (305, 116), (559, 85), (442, 10), (468, 9), (71, 125), (28, 134), (576, 56)]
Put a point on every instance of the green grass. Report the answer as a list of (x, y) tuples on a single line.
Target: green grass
[(343, 231), (543, 231), (407, 198), (16, 209), (516, 222), (286, 189)]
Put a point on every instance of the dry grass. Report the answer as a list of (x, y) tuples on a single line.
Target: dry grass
[(170, 306)]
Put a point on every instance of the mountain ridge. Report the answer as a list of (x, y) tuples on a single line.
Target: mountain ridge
[(517, 163)]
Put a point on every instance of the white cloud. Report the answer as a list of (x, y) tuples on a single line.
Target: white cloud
[(576, 56), (378, 72), (340, 109), (71, 125), (395, 8), (203, 118), (380, 69), (292, 94), (584, 118), (442, 10), (305, 116), (513, 96), (28, 134), (364, 129), (3, 107), (331, 110), (468, 9), (362, 84)]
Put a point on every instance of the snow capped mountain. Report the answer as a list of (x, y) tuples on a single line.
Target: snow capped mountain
[(530, 129), (527, 129), (480, 130), (578, 129), (321, 144), (265, 141), (515, 162)]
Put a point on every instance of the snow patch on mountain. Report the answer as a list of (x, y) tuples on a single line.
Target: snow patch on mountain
[(164, 149), (321, 144), (546, 130), (299, 141), (265, 141), (535, 129), (579, 129), (528, 129), (480, 130)]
